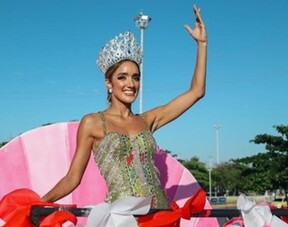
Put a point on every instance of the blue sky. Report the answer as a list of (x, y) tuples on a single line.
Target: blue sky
[(48, 72)]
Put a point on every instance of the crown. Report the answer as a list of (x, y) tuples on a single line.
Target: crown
[(121, 47)]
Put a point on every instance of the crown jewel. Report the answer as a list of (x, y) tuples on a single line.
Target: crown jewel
[(121, 47)]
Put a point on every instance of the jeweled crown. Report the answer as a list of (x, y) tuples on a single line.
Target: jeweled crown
[(121, 47)]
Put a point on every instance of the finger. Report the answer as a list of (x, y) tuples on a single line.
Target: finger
[(196, 10), (200, 21), (188, 28), (199, 18)]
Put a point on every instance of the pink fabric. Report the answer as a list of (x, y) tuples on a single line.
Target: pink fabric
[(14, 170), (169, 179), (92, 182), (43, 149), (180, 184), (39, 158), (236, 221)]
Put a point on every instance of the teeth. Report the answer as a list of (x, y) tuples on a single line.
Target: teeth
[(129, 92)]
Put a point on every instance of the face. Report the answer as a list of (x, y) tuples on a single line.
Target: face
[(125, 82)]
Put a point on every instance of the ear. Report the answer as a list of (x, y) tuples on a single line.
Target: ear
[(108, 83)]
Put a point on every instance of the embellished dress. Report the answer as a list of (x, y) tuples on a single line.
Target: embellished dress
[(127, 165)]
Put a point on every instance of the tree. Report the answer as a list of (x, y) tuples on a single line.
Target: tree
[(3, 143), (277, 147), (229, 178), (199, 171), (256, 174), (174, 156), (267, 170)]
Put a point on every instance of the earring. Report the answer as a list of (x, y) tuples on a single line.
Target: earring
[(110, 90)]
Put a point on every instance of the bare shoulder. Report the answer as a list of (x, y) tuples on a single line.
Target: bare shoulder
[(91, 124), (152, 117), (90, 118)]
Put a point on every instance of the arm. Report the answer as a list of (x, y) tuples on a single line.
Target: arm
[(78, 165), (162, 115)]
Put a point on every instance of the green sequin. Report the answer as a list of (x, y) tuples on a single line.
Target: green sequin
[(127, 165)]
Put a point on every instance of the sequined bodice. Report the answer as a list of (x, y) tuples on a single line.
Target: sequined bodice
[(127, 165)]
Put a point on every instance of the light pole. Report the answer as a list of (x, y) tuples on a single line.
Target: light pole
[(210, 179), (210, 183), (141, 21), (217, 127)]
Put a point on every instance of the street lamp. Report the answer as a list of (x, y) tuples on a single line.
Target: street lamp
[(141, 21), (217, 127), (210, 183), (210, 179)]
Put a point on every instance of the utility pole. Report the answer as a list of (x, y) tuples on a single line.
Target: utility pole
[(141, 22), (210, 178)]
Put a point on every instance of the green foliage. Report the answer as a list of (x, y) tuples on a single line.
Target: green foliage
[(267, 170), (199, 171), (47, 124), (174, 156), (274, 144), (256, 173), (3, 143), (229, 177)]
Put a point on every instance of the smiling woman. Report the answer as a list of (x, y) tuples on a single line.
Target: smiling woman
[(39, 171), (122, 142), (127, 76)]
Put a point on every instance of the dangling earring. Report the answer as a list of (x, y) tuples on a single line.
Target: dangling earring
[(110, 90)]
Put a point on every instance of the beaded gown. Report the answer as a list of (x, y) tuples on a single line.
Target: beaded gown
[(127, 164)]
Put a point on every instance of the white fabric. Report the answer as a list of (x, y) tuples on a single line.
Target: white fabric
[(257, 215), (119, 213)]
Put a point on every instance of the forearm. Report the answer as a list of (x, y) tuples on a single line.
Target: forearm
[(198, 83), (64, 187)]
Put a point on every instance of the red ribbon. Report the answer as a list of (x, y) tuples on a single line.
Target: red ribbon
[(15, 209), (56, 219), (172, 218)]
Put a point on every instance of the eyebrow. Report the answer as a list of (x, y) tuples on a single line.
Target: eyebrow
[(126, 74), (122, 74)]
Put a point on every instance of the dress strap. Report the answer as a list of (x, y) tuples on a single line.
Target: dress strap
[(145, 121), (103, 122)]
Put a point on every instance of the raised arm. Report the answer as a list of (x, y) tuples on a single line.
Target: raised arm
[(162, 115), (78, 165)]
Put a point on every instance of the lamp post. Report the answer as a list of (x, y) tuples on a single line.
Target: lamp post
[(217, 127), (210, 179), (210, 183), (141, 21)]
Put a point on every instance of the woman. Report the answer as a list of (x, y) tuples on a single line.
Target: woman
[(121, 141)]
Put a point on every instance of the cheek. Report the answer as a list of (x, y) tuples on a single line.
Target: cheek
[(117, 83), (137, 84)]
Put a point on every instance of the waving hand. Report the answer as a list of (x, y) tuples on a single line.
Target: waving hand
[(199, 32)]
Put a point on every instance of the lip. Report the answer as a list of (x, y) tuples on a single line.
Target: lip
[(129, 92)]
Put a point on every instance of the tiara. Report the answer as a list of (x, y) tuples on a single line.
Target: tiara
[(121, 47)]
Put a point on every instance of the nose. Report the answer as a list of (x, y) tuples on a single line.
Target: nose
[(130, 82)]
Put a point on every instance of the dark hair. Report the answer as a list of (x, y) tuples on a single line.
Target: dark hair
[(109, 73)]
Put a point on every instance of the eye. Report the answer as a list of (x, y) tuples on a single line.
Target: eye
[(136, 77), (121, 77)]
